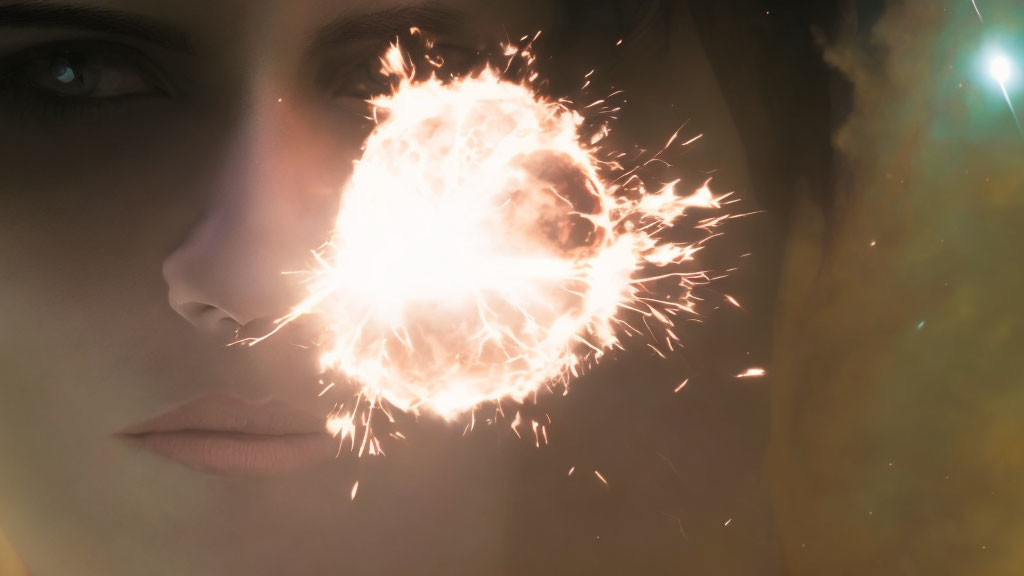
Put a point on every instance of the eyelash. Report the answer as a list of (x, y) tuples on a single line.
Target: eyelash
[(28, 100), (18, 93)]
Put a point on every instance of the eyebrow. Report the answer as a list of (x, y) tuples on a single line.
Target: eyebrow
[(389, 22), (428, 16), (46, 15)]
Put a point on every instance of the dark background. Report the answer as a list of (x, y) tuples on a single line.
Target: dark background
[(688, 490)]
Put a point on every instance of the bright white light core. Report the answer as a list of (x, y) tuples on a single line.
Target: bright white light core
[(1001, 69)]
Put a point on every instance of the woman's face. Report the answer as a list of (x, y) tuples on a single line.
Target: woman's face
[(161, 164)]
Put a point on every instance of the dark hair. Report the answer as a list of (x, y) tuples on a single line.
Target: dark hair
[(585, 35), (626, 19)]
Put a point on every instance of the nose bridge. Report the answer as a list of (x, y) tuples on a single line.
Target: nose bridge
[(263, 219)]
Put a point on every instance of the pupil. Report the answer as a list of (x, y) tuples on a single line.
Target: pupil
[(63, 72)]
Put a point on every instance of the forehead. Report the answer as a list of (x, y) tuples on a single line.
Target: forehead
[(282, 24)]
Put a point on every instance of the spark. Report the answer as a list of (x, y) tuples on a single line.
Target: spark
[(678, 522), (681, 386), (692, 140), (571, 470), (752, 373), (342, 425), (977, 11), (516, 423), (600, 477), (355, 490), (727, 522), (1001, 70), (486, 248)]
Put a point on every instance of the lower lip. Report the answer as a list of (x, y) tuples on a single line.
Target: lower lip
[(235, 454)]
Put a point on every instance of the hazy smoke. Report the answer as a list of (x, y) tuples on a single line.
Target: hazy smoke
[(901, 347)]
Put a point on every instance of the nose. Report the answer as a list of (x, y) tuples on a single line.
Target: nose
[(272, 200)]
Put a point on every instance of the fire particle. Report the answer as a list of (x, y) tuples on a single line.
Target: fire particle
[(752, 373), (487, 247)]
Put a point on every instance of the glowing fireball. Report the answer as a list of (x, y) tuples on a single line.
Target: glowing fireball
[(479, 253)]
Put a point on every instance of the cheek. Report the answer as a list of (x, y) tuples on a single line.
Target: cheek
[(83, 313), (87, 217), (77, 201), (78, 310), (88, 342), (82, 234), (84, 226)]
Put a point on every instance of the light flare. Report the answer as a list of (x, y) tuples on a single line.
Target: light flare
[(486, 247), (1001, 69)]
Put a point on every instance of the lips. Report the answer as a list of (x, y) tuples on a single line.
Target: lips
[(228, 435)]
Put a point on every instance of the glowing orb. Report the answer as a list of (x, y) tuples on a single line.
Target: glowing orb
[(480, 254), (1001, 69)]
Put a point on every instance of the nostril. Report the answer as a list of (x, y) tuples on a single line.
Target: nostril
[(196, 309), (209, 318)]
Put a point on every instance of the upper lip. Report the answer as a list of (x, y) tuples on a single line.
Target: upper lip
[(230, 414)]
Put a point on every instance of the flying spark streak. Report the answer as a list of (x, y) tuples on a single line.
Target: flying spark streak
[(678, 522), (752, 373), (355, 490), (977, 11), (692, 140), (1001, 70), (486, 248), (681, 386), (600, 477)]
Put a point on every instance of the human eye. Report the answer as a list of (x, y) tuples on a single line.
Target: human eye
[(355, 77), (63, 77)]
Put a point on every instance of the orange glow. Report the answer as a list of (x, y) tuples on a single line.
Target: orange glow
[(486, 248), (752, 373)]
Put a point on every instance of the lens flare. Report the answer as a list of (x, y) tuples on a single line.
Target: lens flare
[(1000, 69), (486, 248)]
